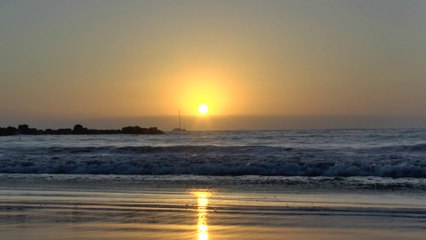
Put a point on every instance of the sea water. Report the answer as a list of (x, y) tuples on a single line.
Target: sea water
[(333, 153), (299, 184)]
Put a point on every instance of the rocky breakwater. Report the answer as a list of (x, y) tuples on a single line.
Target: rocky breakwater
[(78, 129)]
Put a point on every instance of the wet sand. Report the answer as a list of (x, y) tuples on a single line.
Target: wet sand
[(52, 207)]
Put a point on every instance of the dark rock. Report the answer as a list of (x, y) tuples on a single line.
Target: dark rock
[(24, 129), (11, 130), (63, 131), (79, 129), (7, 131)]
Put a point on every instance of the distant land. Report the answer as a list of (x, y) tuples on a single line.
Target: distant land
[(223, 123), (78, 129)]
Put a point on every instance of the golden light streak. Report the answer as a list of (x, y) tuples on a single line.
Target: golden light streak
[(202, 203)]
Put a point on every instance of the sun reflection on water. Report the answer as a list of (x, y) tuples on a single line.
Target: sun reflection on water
[(202, 203)]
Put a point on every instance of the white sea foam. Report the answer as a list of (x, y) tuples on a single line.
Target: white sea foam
[(390, 161), (384, 153)]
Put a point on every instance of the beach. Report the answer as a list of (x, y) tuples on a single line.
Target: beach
[(191, 207)]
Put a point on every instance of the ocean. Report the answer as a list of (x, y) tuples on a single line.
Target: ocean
[(339, 153), (293, 184)]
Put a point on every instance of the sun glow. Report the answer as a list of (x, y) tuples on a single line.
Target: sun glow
[(195, 85), (203, 109)]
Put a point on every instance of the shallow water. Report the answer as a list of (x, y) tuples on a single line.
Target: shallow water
[(99, 207)]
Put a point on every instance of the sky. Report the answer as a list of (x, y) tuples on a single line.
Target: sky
[(256, 64)]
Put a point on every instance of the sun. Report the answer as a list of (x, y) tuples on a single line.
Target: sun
[(203, 109)]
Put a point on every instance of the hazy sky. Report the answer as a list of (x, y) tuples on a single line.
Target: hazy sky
[(118, 59)]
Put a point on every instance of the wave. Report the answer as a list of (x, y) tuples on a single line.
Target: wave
[(392, 161), (409, 148)]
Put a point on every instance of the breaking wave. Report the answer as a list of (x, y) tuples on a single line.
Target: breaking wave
[(389, 161)]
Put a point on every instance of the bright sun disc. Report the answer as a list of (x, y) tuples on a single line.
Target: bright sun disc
[(203, 109)]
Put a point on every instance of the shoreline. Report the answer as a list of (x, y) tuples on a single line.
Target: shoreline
[(247, 183), (151, 207)]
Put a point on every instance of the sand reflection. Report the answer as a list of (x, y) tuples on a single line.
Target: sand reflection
[(202, 203)]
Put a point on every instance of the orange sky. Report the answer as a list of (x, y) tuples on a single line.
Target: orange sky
[(110, 59)]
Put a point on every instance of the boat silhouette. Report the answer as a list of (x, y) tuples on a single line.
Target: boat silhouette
[(179, 129)]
